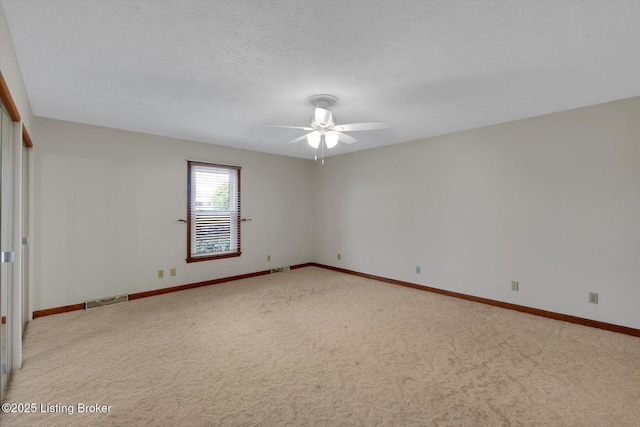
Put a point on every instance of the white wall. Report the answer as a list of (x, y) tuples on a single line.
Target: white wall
[(552, 202), (107, 202), (12, 74)]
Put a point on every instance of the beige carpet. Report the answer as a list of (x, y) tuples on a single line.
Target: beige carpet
[(313, 347)]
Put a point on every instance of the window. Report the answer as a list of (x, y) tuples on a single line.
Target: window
[(213, 211)]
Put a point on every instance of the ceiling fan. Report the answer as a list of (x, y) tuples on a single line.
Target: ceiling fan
[(324, 130)]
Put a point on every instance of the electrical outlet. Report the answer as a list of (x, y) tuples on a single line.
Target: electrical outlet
[(160, 274), (173, 272), (417, 269), (515, 286), (593, 297), (268, 258), (339, 256)]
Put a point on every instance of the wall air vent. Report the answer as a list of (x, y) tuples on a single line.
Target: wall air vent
[(105, 301), (279, 269)]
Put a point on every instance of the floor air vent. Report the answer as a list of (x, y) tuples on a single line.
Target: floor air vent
[(105, 301), (279, 269)]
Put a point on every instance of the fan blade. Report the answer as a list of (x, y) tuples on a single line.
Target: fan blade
[(361, 126), (300, 138), (323, 117), (345, 138), (290, 127)]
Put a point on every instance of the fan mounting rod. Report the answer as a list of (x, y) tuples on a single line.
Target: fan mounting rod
[(323, 100)]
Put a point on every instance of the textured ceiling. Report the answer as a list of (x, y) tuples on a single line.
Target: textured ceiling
[(212, 71)]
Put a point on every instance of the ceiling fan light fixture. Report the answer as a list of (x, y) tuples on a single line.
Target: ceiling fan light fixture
[(323, 117), (313, 139), (331, 139), (325, 132)]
